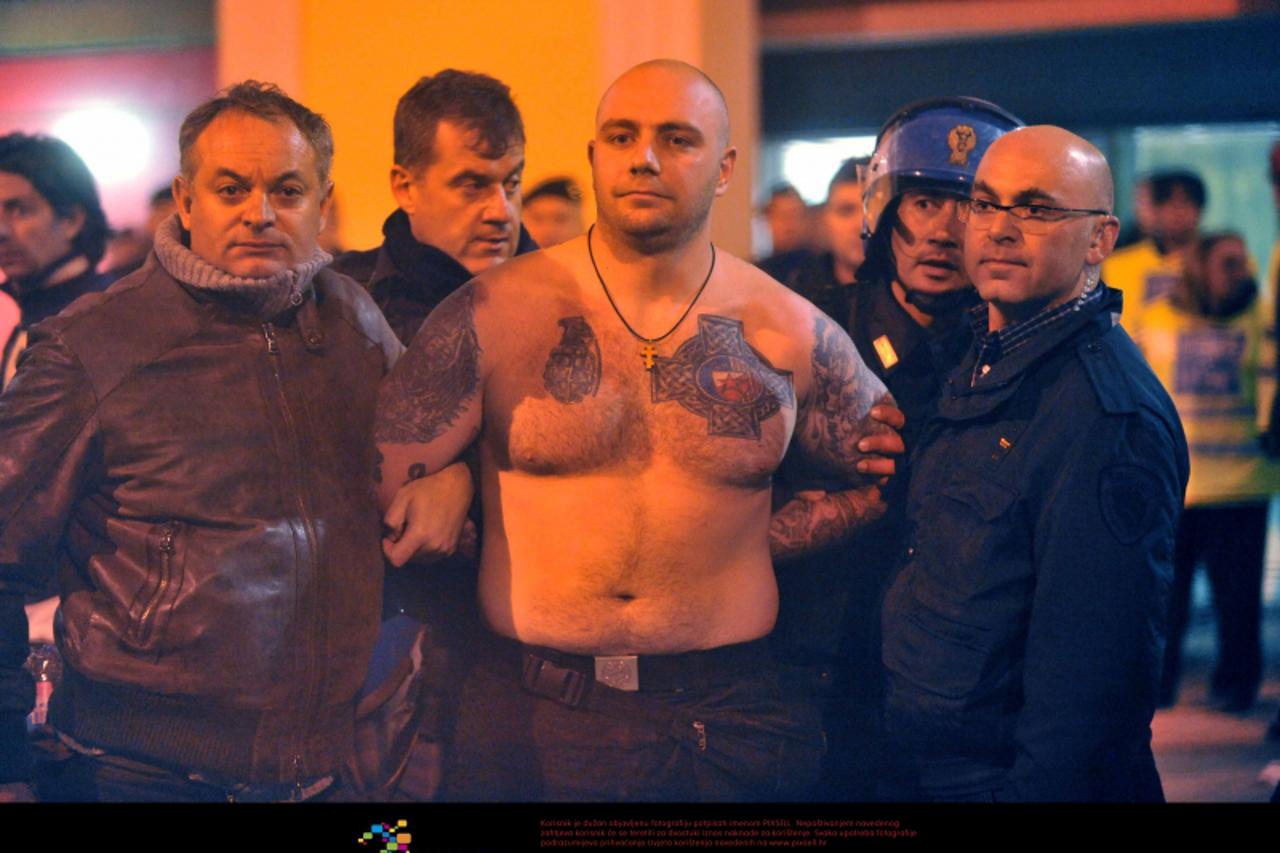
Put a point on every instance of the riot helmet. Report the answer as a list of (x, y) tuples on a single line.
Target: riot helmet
[(932, 145)]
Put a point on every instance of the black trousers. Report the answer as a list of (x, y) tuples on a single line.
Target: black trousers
[(734, 739), (1230, 541)]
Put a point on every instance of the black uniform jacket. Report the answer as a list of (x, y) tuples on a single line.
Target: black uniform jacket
[(827, 599), (406, 278), (1023, 635)]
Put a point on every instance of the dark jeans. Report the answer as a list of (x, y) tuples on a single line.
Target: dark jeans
[(1230, 541), (741, 740)]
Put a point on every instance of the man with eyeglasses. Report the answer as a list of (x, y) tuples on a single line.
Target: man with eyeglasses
[(1023, 634)]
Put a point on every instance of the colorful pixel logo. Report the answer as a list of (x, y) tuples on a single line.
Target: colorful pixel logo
[(392, 837)]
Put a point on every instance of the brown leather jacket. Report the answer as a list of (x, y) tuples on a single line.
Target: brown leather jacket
[(201, 481)]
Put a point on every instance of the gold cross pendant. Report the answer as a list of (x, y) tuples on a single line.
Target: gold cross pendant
[(647, 352)]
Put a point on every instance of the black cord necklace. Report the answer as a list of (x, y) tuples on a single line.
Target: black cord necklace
[(648, 350)]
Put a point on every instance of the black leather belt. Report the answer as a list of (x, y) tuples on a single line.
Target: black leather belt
[(568, 678)]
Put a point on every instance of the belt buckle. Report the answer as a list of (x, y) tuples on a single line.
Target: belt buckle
[(621, 672)]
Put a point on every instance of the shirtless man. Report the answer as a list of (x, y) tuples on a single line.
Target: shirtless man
[(631, 393)]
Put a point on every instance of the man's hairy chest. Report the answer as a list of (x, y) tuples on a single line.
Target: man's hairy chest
[(584, 395)]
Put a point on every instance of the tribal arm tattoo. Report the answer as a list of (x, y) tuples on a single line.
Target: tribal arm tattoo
[(804, 524), (838, 413), (429, 405), (828, 429)]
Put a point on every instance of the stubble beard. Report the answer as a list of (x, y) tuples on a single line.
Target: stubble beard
[(656, 235)]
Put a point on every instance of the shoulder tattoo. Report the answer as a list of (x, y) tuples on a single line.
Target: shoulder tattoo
[(843, 392), (720, 377), (572, 372), (435, 378)]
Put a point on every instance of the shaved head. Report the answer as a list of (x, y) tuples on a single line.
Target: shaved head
[(1082, 170), (660, 156), (1022, 266), (673, 71)]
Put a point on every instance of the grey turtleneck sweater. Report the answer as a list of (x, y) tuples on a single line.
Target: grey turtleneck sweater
[(268, 296)]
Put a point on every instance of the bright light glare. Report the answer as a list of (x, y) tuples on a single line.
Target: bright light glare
[(808, 166), (115, 144)]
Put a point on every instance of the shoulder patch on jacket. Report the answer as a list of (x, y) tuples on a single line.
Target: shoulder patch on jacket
[(1128, 495), (1107, 374)]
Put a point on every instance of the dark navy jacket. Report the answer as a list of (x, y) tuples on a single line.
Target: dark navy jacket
[(1023, 635), (409, 279)]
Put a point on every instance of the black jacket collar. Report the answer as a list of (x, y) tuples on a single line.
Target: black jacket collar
[(433, 274), (962, 402)]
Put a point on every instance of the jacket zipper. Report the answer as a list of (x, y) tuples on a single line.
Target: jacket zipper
[(167, 548), (309, 679)]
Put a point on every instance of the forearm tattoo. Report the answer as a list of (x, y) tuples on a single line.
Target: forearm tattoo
[(720, 377), (843, 392), (572, 372), (802, 526), (433, 381)]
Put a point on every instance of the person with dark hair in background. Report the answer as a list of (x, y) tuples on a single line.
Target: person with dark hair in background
[(1208, 343), (52, 232), (52, 235), (824, 278), (905, 315), (191, 450), (127, 250), (790, 238), (1142, 225), (459, 162), (1151, 269), (1272, 291), (553, 211), (1273, 265)]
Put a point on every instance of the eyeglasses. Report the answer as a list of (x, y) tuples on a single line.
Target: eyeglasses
[(1032, 218)]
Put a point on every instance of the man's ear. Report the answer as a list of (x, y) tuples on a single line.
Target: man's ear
[(591, 152), (182, 196), (727, 161), (326, 204), (402, 182), (1104, 240)]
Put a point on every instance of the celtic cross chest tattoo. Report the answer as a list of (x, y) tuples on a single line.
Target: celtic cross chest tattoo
[(718, 376), (572, 372)]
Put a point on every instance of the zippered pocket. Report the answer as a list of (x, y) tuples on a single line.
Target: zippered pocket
[(154, 600)]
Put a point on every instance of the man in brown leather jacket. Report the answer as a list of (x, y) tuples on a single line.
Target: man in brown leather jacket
[(192, 452)]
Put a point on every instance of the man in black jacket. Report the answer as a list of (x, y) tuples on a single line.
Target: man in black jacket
[(459, 160), (905, 314), (459, 152), (52, 232), (1023, 634)]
